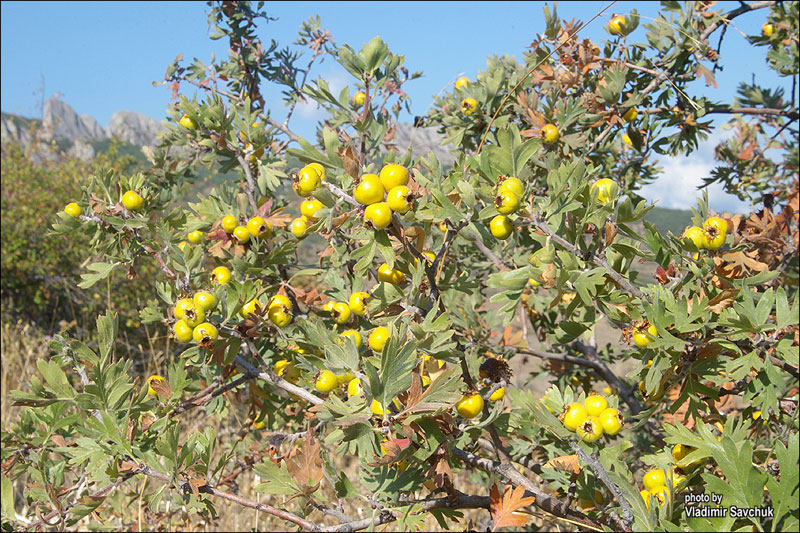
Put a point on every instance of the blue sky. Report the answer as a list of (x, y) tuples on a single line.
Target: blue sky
[(101, 57)]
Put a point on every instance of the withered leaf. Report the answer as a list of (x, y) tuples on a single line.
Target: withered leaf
[(349, 159), (441, 472), (723, 300), (565, 463), (504, 508), (126, 467), (162, 388), (305, 465), (610, 232), (195, 484)]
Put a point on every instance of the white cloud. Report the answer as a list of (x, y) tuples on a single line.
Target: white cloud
[(677, 186)]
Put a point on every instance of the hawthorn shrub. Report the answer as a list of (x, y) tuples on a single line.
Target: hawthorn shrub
[(394, 343)]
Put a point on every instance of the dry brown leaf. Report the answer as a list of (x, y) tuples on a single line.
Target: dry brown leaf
[(305, 465), (195, 484), (162, 388), (723, 300), (126, 467), (349, 159), (565, 463), (610, 232), (504, 508)]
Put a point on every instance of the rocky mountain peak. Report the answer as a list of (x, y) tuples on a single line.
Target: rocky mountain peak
[(60, 121)]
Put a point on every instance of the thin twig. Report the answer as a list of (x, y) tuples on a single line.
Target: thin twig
[(244, 502), (540, 224)]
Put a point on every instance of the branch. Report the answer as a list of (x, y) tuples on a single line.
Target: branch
[(627, 512), (490, 255), (540, 224), (732, 14), (725, 109), (207, 395), (96, 494), (457, 500), (273, 379), (207, 489), (340, 193), (251, 185), (509, 474), (525, 461)]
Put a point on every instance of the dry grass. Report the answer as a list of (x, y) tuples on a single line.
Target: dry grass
[(21, 345)]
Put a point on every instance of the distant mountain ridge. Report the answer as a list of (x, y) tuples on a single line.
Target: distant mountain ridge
[(77, 134)]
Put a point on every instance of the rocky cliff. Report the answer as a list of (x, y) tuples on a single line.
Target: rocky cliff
[(77, 134)]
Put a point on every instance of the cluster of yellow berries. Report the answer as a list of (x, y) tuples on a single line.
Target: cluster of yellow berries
[(255, 228), (711, 236), (384, 194), (306, 181), (191, 314), (655, 486), (507, 201), (593, 418)]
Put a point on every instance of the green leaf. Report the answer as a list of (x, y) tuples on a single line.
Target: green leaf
[(396, 366), (7, 499), (56, 378), (344, 488), (784, 493), (100, 272), (277, 479), (373, 54), (107, 327)]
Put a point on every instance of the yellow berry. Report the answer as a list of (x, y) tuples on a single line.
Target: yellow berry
[(358, 303), (369, 190), (241, 234), (220, 275), (630, 114), (204, 333), (499, 394), (326, 381), (501, 227), (259, 228), (549, 133), (390, 275), (229, 223), (470, 406), (299, 227), (309, 208), (353, 334), (195, 237), (378, 338), (132, 201), (73, 210), (468, 106), (392, 176)]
